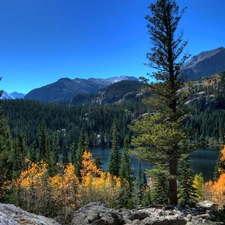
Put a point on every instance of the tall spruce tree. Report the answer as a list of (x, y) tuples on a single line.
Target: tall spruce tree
[(160, 185), (220, 164), (55, 152), (65, 157), (126, 175), (82, 147), (141, 182), (73, 149), (186, 192), (160, 137), (42, 142), (126, 171), (114, 158)]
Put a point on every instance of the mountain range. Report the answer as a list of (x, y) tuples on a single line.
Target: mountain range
[(204, 64), (65, 89), (99, 91), (13, 95)]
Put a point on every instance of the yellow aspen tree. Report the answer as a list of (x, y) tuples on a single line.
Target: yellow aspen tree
[(97, 185), (89, 173), (88, 165), (218, 191), (64, 191), (32, 187), (198, 184)]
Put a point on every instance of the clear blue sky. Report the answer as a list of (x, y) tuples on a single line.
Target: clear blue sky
[(42, 41)]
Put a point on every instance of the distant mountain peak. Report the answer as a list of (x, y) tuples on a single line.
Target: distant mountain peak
[(13, 95), (65, 89), (204, 64)]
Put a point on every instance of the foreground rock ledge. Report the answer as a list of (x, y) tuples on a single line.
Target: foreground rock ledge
[(97, 214), (12, 215)]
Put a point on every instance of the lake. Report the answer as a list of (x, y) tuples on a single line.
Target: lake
[(203, 160)]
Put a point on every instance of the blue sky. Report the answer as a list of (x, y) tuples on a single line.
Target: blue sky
[(42, 41)]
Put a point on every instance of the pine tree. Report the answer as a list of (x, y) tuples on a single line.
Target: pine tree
[(140, 183), (73, 149), (19, 154), (65, 158), (55, 152), (220, 164), (160, 185), (114, 158), (126, 174), (32, 152), (42, 142), (160, 137), (98, 162), (82, 147), (187, 193), (126, 171)]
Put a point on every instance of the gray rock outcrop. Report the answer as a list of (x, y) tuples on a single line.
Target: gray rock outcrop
[(97, 214), (12, 215)]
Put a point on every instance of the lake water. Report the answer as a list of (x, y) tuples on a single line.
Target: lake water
[(203, 161)]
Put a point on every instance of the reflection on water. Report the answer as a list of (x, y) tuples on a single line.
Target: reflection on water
[(203, 161)]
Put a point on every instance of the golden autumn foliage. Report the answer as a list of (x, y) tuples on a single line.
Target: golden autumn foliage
[(215, 191), (64, 191), (105, 188), (32, 186), (41, 193), (64, 187), (198, 184), (89, 166), (97, 185)]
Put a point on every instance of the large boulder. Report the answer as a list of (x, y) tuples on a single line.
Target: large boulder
[(12, 215), (208, 205)]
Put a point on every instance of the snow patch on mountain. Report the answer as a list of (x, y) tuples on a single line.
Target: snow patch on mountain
[(13, 95)]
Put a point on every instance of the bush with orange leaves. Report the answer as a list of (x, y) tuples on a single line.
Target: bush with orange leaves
[(46, 195), (97, 185), (32, 187), (215, 191), (64, 191)]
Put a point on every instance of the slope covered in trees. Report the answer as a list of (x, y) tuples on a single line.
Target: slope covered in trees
[(25, 117)]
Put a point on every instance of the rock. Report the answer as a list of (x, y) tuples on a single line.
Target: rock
[(93, 215), (99, 214), (208, 205), (12, 215), (139, 214)]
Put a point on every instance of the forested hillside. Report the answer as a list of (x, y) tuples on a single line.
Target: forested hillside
[(26, 116), (207, 118), (208, 109)]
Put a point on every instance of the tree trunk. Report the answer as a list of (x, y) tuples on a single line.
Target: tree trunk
[(173, 182)]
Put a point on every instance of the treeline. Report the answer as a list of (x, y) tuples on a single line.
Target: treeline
[(25, 117), (208, 123)]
